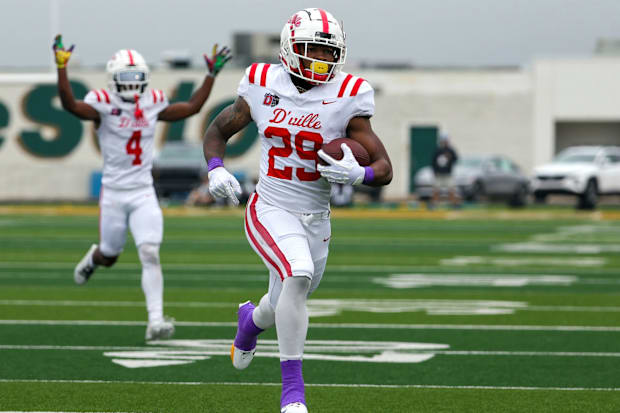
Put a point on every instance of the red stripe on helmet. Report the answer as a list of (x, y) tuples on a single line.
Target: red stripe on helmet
[(356, 86), (131, 63), (107, 97), (344, 85), (325, 21), (253, 72), (154, 95), (98, 96), (263, 75), (161, 95)]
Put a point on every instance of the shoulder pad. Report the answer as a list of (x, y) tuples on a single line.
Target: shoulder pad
[(157, 96), (350, 86), (257, 73), (101, 96)]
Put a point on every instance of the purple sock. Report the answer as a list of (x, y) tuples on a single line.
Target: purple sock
[(247, 331), (292, 383)]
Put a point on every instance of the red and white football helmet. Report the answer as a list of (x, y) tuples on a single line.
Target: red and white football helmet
[(312, 26), (128, 74)]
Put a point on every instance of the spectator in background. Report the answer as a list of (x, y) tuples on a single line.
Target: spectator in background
[(443, 161), (200, 196)]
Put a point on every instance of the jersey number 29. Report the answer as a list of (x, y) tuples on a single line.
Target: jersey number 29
[(286, 151), (133, 147)]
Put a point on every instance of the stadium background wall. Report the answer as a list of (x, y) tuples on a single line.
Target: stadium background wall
[(525, 113)]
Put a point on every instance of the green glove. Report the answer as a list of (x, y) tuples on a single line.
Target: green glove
[(218, 60)]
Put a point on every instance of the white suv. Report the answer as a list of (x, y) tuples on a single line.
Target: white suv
[(585, 171)]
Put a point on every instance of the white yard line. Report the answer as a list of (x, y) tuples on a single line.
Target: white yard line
[(261, 277), (327, 325), (345, 385), (81, 303), (445, 352), (82, 348), (211, 267), (196, 304)]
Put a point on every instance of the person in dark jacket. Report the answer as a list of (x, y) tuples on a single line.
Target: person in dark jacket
[(443, 163)]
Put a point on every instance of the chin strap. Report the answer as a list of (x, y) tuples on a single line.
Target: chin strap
[(138, 112)]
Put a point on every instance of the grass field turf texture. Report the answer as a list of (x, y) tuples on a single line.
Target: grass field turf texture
[(514, 311)]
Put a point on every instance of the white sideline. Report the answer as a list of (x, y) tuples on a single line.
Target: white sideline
[(379, 386), (327, 325)]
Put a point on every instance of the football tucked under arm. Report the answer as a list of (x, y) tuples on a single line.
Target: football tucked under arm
[(334, 150), (344, 167)]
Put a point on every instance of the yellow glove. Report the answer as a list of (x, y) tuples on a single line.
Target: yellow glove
[(62, 55)]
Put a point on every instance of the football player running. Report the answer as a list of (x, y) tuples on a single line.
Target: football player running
[(125, 114), (298, 105)]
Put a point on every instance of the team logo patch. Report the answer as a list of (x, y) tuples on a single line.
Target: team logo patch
[(115, 112), (271, 100)]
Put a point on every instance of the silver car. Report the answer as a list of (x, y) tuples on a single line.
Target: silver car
[(480, 177)]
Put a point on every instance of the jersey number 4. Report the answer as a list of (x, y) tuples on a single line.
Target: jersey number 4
[(133, 147), (286, 151)]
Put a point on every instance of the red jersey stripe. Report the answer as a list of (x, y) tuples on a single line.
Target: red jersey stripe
[(98, 96), (263, 75), (253, 72), (107, 97), (131, 62), (154, 96), (344, 85), (256, 243), (325, 22), (267, 237), (356, 86)]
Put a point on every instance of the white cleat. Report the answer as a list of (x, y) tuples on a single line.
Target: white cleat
[(296, 407), (241, 358), (160, 329), (84, 270)]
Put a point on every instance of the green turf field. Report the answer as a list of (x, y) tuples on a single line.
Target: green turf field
[(438, 312)]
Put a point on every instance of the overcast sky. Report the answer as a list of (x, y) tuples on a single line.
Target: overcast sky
[(421, 32)]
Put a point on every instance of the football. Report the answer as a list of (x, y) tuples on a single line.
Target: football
[(334, 150)]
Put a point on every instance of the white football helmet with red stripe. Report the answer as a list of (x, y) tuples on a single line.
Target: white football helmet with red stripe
[(128, 74), (312, 26)]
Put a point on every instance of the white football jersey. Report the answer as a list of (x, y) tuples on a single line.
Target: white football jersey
[(293, 126), (126, 141)]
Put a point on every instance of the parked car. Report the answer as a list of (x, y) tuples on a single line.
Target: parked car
[(177, 169), (477, 177), (180, 167), (582, 171)]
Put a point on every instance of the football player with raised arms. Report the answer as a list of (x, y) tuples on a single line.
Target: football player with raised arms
[(125, 114), (297, 105)]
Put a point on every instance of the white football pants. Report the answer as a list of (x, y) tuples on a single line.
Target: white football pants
[(136, 209), (290, 245), (139, 211)]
